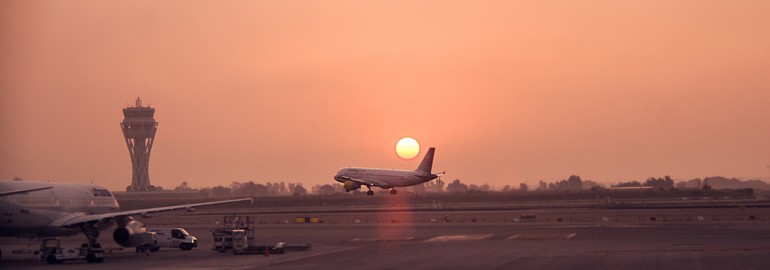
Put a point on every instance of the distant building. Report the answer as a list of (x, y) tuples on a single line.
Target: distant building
[(139, 128)]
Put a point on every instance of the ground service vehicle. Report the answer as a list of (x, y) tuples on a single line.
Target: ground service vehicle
[(52, 252), (223, 236), (172, 238)]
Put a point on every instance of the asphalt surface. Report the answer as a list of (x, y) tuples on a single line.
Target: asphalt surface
[(731, 238)]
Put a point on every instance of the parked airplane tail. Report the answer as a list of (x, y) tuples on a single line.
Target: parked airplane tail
[(427, 162)]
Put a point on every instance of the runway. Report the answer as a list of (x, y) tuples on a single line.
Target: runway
[(557, 239)]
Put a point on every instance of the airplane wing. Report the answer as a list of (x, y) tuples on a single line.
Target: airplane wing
[(367, 182), (6, 193), (75, 220)]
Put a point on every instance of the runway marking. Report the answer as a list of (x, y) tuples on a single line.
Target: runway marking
[(302, 257), (459, 237), (541, 236), (381, 239), (579, 226)]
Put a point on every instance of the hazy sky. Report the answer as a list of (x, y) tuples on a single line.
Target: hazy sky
[(507, 91)]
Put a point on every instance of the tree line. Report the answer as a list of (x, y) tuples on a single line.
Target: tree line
[(572, 183), (248, 189)]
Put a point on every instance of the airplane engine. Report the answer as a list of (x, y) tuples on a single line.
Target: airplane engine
[(350, 185), (130, 233)]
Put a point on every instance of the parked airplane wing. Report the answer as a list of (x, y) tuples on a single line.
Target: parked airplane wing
[(6, 193), (75, 220)]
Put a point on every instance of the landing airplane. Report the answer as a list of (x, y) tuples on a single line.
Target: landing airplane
[(43, 209), (354, 178)]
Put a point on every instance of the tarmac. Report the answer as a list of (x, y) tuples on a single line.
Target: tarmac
[(712, 238)]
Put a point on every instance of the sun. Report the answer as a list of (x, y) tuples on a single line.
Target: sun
[(407, 148)]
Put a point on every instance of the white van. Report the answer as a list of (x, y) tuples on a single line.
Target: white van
[(173, 238)]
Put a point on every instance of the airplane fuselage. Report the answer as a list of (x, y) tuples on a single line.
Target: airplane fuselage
[(37, 213), (386, 178)]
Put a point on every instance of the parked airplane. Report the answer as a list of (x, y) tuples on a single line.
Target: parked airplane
[(354, 178), (44, 209)]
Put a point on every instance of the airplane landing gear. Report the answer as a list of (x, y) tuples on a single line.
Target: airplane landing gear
[(93, 250), (370, 193), (393, 191), (94, 253), (91, 232)]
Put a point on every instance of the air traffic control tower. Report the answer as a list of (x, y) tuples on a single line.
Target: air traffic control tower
[(139, 128)]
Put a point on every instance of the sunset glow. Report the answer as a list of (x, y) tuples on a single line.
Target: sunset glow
[(509, 92)]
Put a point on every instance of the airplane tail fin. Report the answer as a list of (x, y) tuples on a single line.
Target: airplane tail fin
[(427, 162)]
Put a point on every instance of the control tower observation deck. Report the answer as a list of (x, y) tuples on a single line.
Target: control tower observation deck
[(139, 128)]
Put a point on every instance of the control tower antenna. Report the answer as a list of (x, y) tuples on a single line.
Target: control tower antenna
[(139, 128)]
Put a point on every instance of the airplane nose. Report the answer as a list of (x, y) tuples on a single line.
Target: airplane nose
[(338, 176)]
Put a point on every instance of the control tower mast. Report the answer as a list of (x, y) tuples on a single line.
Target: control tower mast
[(139, 128)]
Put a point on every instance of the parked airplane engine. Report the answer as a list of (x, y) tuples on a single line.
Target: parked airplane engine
[(351, 185), (130, 233)]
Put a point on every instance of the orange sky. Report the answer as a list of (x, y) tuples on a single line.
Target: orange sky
[(508, 91)]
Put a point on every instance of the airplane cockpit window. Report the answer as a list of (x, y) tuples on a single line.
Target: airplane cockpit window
[(100, 192)]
